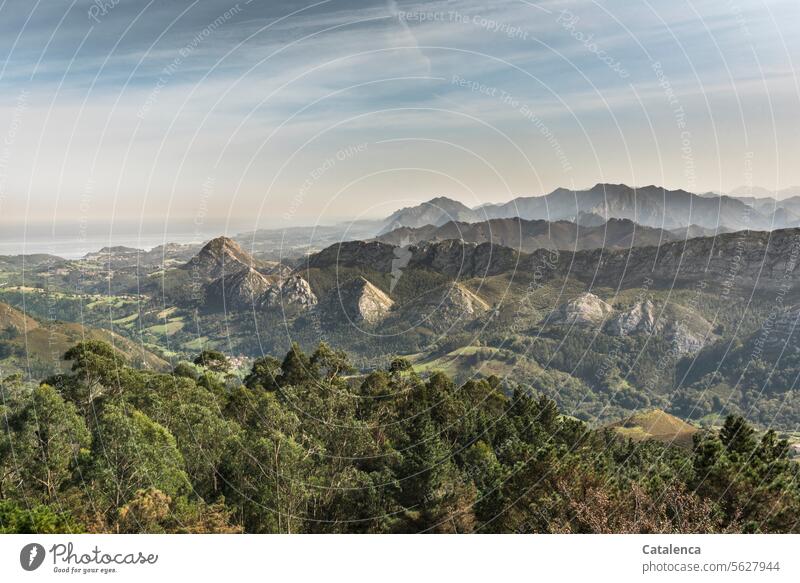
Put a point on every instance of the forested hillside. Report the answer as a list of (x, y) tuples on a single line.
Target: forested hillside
[(304, 445)]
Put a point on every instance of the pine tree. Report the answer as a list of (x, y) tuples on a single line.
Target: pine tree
[(737, 436)]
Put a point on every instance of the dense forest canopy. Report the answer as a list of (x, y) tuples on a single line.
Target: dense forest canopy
[(304, 445)]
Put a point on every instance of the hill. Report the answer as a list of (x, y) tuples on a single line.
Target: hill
[(12, 321), (31, 261), (29, 345), (120, 257), (658, 425)]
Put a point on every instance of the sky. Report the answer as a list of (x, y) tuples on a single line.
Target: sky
[(213, 113)]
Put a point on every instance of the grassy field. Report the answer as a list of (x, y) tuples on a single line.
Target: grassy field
[(658, 425)]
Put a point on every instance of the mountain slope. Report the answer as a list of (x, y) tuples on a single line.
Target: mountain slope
[(743, 261), (359, 301), (238, 290), (442, 309), (26, 343), (529, 235), (740, 260)]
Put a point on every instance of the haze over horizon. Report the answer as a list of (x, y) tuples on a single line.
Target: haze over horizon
[(292, 113)]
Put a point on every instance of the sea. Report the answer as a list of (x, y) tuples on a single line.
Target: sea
[(71, 242)]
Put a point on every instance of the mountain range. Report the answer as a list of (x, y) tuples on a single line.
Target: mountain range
[(528, 236), (650, 206), (605, 315)]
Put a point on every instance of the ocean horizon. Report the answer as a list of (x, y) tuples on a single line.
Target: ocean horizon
[(76, 246)]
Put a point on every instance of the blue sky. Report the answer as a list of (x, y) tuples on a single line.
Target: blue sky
[(270, 113)]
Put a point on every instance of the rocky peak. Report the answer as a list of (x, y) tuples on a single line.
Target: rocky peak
[(219, 256), (444, 308), (291, 291), (240, 289), (363, 301), (448, 257), (685, 329), (586, 309), (640, 318), (460, 298)]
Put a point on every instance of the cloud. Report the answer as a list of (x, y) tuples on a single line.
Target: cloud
[(135, 102)]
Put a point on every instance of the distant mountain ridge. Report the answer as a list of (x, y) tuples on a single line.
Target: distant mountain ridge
[(650, 206), (436, 211), (529, 235)]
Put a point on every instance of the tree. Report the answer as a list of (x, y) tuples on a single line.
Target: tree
[(205, 440), (296, 449), (399, 365), (332, 363), (213, 360), (186, 370), (297, 368), (40, 519), (737, 436), (264, 374), (425, 470), (488, 474), (152, 511), (146, 512), (771, 448), (270, 469), (133, 452), (96, 365), (48, 436)]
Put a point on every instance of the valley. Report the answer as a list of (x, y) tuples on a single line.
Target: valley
[(606, 320), (546, 362)]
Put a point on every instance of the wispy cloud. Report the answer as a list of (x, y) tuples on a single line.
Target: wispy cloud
[(263, 82)]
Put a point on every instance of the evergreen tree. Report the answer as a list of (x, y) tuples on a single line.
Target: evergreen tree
[(296, 368), (737, 436), (47, 437), (132, 452)]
